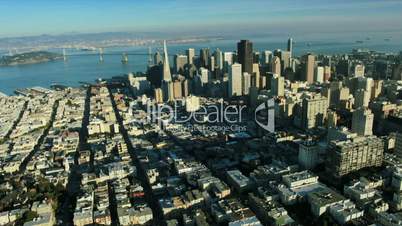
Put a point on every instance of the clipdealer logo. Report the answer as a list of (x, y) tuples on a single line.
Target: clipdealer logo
[(264, 114), (267, 110)]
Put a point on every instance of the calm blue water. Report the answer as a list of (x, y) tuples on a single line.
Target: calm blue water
[(88, 68)]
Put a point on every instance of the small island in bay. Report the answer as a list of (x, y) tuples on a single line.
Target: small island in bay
[(29, 58)]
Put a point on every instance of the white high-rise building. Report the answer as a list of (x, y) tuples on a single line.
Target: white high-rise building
[(235, 80), (246, 83), (205, 75), (267, 57), (212, 63), (256, 75), (166, 68), (228, 58), (319, 74), (179, 62), (362, 122), (276, 66), (314, 111), (290, 46), (190, 55)]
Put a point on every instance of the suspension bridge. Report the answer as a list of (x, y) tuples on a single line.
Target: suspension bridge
[(101, 54)]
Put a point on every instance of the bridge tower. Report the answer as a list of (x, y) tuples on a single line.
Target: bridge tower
[(150, 60), (124, 58), (101, 55), (64, 55)]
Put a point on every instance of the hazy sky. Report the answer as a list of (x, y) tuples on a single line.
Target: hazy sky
[(35, 17)]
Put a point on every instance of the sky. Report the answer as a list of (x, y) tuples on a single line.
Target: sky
[(36, 17)]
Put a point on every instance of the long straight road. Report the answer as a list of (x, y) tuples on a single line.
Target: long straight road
[(65, 213), (158, 219), (41, 138), (24, 107)]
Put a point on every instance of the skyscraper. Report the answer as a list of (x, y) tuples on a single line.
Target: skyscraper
[(319, 74), (179, 62), (204, 57), (166, 68), (285, 58), (314, 111), (266, 58), (190, 55), (184, 88), (235, 80), (376, 89), (255, 81), (277, 85), (227, 60), (218, 59), (246, 83), (290, 46), (256, 57), (362, 98), (245, 55), (212, 63), (327, 73), (205, 75), (364, 83), (362, 122), (157, 58), (177, 89), (309, 64), (276, 65)]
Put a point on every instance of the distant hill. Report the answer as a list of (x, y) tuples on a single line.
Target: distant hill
[(29, 58), (104, 39)]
